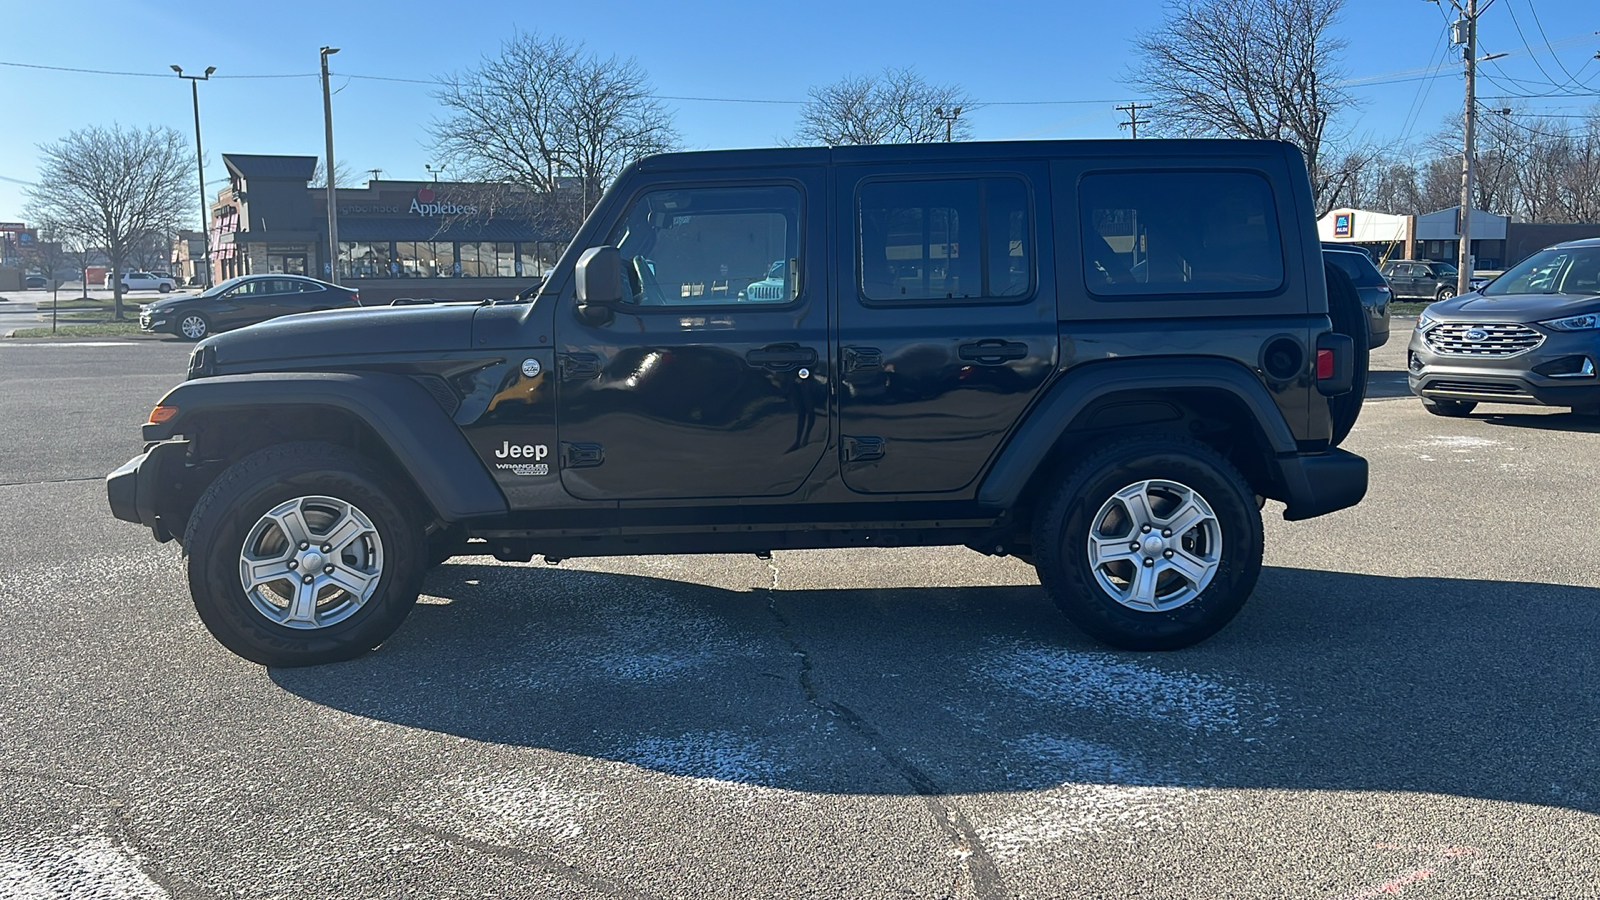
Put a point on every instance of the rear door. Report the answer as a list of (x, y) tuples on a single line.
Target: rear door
[(947, 318), (712, 381)]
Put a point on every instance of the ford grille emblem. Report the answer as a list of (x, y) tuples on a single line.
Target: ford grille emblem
[(1476, 334)]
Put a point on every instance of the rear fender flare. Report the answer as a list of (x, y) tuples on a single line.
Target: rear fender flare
[(1076, 391)]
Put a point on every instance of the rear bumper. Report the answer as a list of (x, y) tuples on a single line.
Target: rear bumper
[(1320, 483), (136, 488)]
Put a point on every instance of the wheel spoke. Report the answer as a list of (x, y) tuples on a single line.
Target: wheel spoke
[(1104, 550), (1186, 517), (1189, 566), (268, 571), (1143, 589), (293, 524), (356, 583), (1138, 505), (304, 607), (347, 530)]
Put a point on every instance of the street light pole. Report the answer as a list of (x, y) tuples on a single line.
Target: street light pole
[(333, 203), (200, 163)]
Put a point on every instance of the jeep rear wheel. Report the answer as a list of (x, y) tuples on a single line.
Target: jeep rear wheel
[(302, 554), (1151, 543)]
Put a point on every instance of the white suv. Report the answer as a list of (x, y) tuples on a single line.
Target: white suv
[(144, 281)]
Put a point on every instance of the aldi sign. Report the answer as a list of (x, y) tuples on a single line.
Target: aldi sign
[(1343, 224)]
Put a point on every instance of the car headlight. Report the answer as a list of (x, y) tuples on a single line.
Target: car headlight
[(1424, 321), (1586, 322)]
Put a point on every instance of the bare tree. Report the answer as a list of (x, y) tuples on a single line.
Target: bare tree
[(342, 177), (114, 186), (1266, 69), (553, 122), (896, 107)]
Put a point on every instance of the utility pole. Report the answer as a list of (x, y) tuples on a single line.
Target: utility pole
[(1132, 109), (200, 162), (333, 203), (1468, 23), (949, 120)]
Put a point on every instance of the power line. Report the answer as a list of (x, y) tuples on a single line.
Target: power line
[(19, 65)]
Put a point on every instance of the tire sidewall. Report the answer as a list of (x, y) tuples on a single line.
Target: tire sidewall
[(204, 322), (1061, 544), (223, 520)]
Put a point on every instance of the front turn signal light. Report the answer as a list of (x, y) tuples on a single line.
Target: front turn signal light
[(162, 413)]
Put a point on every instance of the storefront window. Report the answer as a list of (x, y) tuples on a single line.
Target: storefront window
[(426, 259), (363, 259), (505, 256), (286, 263), (481, 259)]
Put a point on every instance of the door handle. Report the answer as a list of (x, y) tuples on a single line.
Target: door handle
[(993, 352), (781, 356)]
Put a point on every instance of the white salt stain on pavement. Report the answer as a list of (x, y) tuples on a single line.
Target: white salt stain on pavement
[(665, 639), (506, 809), (715, 759), (1074, 811), (1108, 683), (81, 865)]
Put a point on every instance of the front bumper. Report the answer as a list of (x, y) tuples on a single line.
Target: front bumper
[(1320, 483), (138, 487), (1508, 379)]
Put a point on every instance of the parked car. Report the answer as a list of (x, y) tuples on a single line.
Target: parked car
[(1420, 279), (143, 281), (1100, 360), (1370, 286), (1531, 336), (34, 282), (241, 301)]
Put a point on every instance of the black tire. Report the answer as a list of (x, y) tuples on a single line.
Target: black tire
[(446, 544), (1349, 318), (164, 288), (1444, 293), (1062, 528), (1450, 409), (228, 511), (201, 332)]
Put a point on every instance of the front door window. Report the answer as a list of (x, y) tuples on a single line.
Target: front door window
[(710, 246)]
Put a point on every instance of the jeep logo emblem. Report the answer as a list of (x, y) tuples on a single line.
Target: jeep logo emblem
[(522, 451)]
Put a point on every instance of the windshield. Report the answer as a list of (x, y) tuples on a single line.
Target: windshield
[(1557, 270), (1446, 269), (221, 288)]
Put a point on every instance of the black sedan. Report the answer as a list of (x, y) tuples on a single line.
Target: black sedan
[(243, 301)]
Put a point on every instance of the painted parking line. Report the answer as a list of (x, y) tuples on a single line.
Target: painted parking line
[(50, 343)]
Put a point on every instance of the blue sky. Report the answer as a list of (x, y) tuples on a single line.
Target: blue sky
[(1018, 51)]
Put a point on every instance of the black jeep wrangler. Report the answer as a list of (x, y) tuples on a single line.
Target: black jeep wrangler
[(1099, 357)]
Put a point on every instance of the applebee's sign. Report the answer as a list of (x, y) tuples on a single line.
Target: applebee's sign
[(424, 204)]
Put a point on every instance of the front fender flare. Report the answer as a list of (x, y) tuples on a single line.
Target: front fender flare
[(400, 412)]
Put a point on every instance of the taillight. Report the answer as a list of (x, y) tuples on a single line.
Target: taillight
[(355, 297), (1324, 365)]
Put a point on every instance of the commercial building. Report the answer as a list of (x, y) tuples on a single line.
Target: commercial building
[(188, 258), (454, 240), (1434, 236)]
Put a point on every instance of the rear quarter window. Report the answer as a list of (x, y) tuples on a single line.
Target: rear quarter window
[(1360, 269), (1179, 234)]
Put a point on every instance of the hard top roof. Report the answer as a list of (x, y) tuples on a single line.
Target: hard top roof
[(958, 150)]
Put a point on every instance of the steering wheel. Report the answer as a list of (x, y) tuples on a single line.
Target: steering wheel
[(642, 272)]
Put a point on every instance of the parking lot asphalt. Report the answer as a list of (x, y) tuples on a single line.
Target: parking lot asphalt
[(1406, 707)]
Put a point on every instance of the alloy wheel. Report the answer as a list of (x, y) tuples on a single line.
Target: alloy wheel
[(1155, 545), (193, 327), (311, 562)]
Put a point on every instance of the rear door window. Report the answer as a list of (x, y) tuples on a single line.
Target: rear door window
[(1179, 233), (957, 239)]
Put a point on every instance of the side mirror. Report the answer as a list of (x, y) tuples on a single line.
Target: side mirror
[(599, 283)]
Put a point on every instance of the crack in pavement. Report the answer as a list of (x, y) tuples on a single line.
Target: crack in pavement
[(981, 869), (541, 861)]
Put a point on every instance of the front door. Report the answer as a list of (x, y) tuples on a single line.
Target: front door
[(947, 318), (712, 379)]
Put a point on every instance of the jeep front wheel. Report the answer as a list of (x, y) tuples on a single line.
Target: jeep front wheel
[(1151, 543), (303, 554)]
